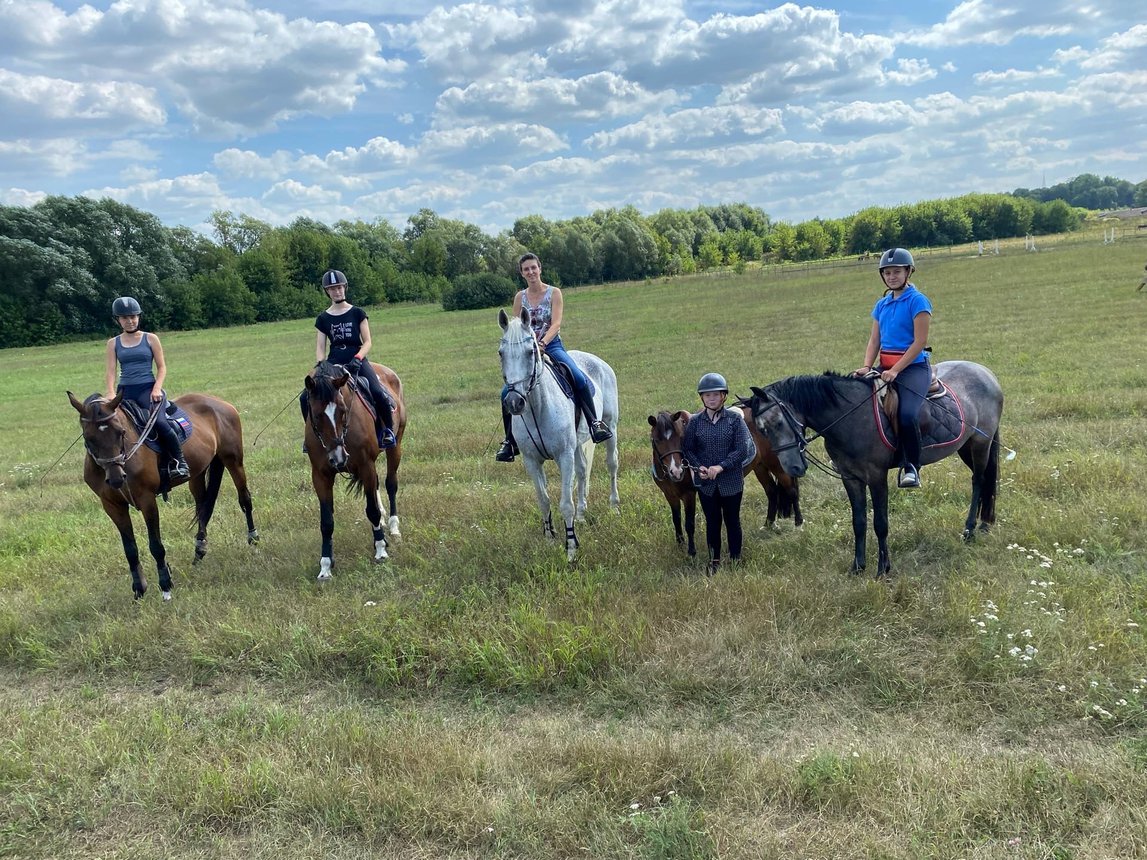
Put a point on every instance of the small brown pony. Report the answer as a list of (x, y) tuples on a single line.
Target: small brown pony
[(124, 472), (674, 476), (341, 439)]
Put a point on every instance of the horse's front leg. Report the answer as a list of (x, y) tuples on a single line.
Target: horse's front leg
[(118, 512), (582, 465), (323, 483), (374, 516), (879, 490), (859, 503), (535, 469), (691, 521), (566, 502), (150, 510)]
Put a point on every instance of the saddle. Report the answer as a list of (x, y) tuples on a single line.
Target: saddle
[(564, 376), (175, 416), (941, 420), (890, 400)]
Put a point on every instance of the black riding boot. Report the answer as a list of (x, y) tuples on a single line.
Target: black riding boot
[(386, 438), (169, 441), (910, 448), (598, 431), (509, 448)]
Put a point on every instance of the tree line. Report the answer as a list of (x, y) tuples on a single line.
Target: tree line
[(64, 259)]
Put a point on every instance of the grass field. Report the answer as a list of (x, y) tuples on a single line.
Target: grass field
[(476, 697)]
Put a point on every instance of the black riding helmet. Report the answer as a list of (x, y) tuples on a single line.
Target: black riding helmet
[(126, 306)]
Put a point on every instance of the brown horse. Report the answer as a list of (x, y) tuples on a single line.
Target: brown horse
[(124, 472), (341, 439), (673, 475)]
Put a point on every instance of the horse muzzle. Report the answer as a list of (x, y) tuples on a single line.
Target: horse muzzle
[(514, 402)]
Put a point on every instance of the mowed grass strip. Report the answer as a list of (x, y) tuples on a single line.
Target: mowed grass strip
[(478, 697)]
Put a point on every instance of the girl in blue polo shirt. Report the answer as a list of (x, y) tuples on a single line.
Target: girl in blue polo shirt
[(896, 348)]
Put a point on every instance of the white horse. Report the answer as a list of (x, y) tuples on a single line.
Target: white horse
[(543, 422)]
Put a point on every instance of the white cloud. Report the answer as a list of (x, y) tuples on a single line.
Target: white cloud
[(42, 105), (699, 127)]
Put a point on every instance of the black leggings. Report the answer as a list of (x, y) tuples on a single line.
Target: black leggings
[(717, 507)]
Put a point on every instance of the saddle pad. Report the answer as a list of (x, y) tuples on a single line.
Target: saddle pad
[(176, 414), (361, 386), (562, 375), (941, 420)]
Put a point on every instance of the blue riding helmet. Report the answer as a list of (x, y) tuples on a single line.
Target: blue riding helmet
[(126, 306), (896, 257), (712, 382)]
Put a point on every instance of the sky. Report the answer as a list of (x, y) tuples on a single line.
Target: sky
[(487, 112)]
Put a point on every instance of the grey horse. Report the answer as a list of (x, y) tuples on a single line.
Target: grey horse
[(543, 422), (838, 409)]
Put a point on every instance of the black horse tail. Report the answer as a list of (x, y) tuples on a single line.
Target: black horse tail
[(990, 482), (206, 506)]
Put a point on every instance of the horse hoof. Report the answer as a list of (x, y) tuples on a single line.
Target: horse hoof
[(969, 536), (166, 596), (392, 525), (253, 537), (324, 576)]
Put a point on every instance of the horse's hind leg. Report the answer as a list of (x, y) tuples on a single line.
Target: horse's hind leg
[(392, 459), (205, 490), (235, 466), (611, 459)]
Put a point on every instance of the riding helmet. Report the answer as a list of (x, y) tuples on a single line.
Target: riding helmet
[(896, 257), (333, 278), (712, 382), (126, 306)]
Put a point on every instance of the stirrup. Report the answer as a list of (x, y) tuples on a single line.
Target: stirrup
[(598, 432), (506, 452), (178, 468), (387, 439), (909, 478)]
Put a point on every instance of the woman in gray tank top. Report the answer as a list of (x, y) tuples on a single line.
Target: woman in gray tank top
[(134, 352)]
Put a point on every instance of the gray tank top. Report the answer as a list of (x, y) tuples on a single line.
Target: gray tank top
[(134, 362)]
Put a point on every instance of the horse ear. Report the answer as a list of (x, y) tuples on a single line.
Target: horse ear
[(114, 403), (309, 383), (79, 407), (683, 416), (503, 320), (524, 316), (652, 421), (758, 392)]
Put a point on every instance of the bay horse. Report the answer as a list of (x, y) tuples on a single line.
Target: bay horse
[(673, 475), (124, 472), (841, 410), (341, 440), (544, 422)]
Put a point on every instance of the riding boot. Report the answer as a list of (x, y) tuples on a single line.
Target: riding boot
[(910, 448), (386, 437), (508, 449), (598, 431), (169, 441)]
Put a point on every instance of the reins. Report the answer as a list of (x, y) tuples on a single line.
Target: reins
[(539, 442), (123, 456)]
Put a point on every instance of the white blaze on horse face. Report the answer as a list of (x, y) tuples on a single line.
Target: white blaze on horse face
[(673, 463)]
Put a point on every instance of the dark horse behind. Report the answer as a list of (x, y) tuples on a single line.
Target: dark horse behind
[(674, 477), (839, 409), (123, 472), (341, 439)]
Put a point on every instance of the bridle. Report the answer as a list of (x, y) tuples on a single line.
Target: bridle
[(532, 378), (340, 433), (124, 455), (798, 429)]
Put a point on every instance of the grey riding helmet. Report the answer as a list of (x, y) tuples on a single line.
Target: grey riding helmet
[(712, 382), (333, 278)]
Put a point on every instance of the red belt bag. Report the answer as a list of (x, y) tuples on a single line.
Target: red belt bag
[(887, 359)]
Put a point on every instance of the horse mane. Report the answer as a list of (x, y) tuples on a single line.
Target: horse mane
[(325, 374), (665, 424), (810, 393), (92, 404)]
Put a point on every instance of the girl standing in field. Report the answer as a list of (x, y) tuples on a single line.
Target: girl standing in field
[(900, 322), (134, 352), (545, 306), (718, 443)]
